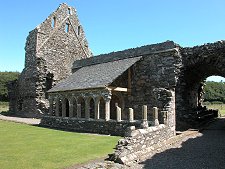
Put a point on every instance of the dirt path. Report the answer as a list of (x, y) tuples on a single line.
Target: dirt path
[(20, 120)]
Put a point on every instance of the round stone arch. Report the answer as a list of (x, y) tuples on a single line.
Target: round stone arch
[(91, 106), (198, 63)]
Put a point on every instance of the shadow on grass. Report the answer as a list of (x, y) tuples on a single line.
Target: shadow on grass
[(204, 151)]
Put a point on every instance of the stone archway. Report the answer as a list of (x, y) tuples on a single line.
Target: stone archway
[(198, 63)]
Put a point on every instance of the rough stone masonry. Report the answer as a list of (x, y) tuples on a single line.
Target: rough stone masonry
[(51, 48), (134, 78)]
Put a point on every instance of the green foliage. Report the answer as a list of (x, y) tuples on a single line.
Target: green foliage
[(6, 77), (4, 106), (214, 92), (23, 146)]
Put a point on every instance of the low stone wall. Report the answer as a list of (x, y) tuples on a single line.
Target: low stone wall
[(140, 143), (111, 127)]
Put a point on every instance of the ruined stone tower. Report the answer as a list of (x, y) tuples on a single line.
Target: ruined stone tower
[(51, 48)]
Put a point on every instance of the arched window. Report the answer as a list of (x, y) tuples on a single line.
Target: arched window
[(69, 11), (78, 30), (67, 28), (54, 22)]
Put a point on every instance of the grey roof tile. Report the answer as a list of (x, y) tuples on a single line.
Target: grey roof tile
[(95, 76)]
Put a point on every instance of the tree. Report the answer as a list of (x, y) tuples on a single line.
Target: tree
[(5, 78), (215, 91)]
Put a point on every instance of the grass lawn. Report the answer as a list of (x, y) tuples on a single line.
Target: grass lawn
[(220, 107), (28, 147)]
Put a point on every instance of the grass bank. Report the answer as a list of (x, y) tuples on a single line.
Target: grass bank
[(220, 107), (23, 146)]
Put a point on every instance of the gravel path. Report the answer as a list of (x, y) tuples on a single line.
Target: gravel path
[(200, 150), (20, 120), (203, 151)]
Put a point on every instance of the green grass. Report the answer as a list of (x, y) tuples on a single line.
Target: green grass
[(28, 147), (4, 106), (220, 107)]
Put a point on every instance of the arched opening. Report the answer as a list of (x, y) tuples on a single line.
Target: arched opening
[(74, 102), (67, 107), (78, 30), (102, 108), (198, 65), (67, 27), (92, 108), (54, 22), (81, 101), (60, 107), (214, 94), (54, 107), (69, 11), (115, 100)]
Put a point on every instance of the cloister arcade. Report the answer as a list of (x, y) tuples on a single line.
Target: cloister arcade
[(94, 104)]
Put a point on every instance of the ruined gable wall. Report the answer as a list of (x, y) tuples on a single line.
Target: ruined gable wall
[(50, 52)]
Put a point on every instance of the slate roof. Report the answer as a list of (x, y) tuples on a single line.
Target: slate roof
[(95, 76), (128, 53)]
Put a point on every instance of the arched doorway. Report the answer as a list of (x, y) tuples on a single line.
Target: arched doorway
[(60, 107), (81, 101), (67, 107), (102, 108), (92, 108), (198, 64)]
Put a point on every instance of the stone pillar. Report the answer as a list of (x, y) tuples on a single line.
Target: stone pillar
[(97, 113), (107, 109), (118, 113), (71, 107), (64, 108), (145, 112), (87, 108), (78, 110), (50, 106), (155, 116), (144, 123), (131, 115), (57, 108)]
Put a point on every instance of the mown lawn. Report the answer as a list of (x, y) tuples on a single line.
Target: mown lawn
[(28, 147)]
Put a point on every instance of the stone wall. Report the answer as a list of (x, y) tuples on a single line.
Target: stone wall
[(51, 48), (151, 73), (140, 143), (110, 127)]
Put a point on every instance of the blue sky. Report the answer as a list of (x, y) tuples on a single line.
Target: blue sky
[(114, 25)]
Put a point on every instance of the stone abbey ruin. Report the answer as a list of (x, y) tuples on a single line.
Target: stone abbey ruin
[(145, 93)]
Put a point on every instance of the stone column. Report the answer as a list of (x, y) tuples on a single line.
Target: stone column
[(71, 107), (145, 112), (118, 113), (50, 106), (97, 113), (87, 108), (57, 108), (107, 109), (131, 115), (155, 116), (78, 110), (64, 108), (144, 123)]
